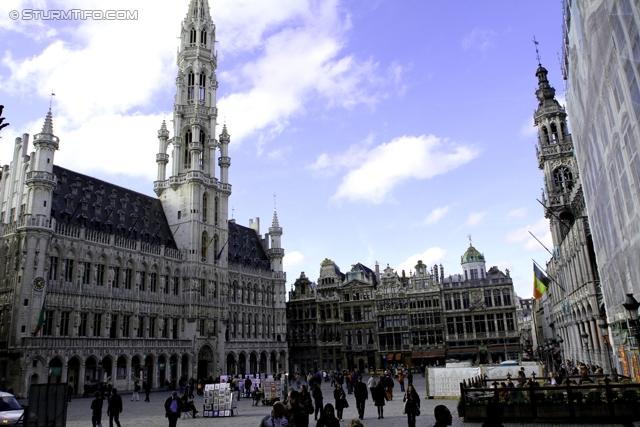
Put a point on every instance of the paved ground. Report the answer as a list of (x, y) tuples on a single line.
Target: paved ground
[(151, 414)]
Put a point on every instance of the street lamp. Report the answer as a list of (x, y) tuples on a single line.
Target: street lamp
[(631, 305), (585, 341)]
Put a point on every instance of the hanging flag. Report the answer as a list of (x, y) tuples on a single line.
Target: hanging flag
[(222, 249), (40, 323), (204, 251), (540, 282)]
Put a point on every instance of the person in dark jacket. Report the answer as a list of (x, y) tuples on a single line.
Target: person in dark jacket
[(96, 409), (305, 400), (362, 395), (317, 401), (114, 407), (147, 389), (388, 385), (412, 405), (341, 400), (379, 396), (328, 418), (173, 407)]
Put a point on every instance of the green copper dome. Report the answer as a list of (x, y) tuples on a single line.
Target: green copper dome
[(472, 255)]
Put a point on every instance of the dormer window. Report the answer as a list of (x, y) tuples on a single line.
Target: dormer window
[(121, 214), (69, 199), (74, 189), (98, 207), (64, 177)]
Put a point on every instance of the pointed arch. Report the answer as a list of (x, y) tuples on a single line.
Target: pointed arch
[(215, 210), (204, 243), (205, 206), (203, 38), (192, 37), (188, 139), (546, 134)]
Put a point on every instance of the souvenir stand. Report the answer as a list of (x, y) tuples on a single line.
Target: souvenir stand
[(219, 400)]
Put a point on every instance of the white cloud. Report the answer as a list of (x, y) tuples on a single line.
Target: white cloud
[(480, 39), (540, 229), (356, 153), (429, 257), (295, 50), (475, 218), (436, 215), (421, 157), (294, 259), (517, 213)]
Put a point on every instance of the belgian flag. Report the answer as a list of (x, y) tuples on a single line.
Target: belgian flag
[(540, 282), (41, 320)]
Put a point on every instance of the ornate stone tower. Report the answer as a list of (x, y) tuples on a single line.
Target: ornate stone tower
[(555, 158), (194, 199)]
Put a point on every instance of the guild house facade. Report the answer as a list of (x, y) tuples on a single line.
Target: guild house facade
[(100, 283)]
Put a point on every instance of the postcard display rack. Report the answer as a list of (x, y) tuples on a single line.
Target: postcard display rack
[(219, 400)]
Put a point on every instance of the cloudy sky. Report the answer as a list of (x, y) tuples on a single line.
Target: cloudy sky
[(388, 130)]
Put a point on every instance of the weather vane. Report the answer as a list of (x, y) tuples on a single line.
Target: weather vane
[(537, 53), (274, 201), (470, 242), (51, 99)]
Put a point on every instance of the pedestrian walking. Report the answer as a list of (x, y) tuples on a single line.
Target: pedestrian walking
[(147, 389), (341, 400), (379, 396), (136, 391), (362, 395), (96, 410), (114, 407), (328, 418), (173, 407), (69, 392), (388, 385), (401, 380), (247, 387), (317, 401), (411, 406), (373, 381)]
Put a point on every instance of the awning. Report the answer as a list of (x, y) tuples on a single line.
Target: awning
[(416, 355), (390, 356), (463, 350), (398, 356), (435, 353), (501, 348)]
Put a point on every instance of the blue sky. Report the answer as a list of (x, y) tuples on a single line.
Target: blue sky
[(389, 130)]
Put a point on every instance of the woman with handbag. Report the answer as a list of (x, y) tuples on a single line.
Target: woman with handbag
[(411, 406), (341, 400)]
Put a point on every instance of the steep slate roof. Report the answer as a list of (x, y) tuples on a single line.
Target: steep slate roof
[(244, 247), (108, 208), (369, 273)]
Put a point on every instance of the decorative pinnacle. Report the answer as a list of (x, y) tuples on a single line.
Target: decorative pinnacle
[(163, 132), (47, 128), (224, 136)]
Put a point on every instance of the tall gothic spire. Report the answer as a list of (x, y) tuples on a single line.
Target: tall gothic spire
[(198, 11), (47, 127), (274, 223)]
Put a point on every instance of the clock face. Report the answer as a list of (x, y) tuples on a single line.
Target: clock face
[(38, 283)]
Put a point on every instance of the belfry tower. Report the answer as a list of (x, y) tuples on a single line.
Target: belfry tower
[(555, 158), (194, 199)]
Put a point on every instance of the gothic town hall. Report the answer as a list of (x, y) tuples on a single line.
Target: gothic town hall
[(98, 282)]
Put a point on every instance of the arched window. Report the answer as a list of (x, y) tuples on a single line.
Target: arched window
[(203, 38), (265, 327), (554, 133), (201, 155), (191, 82), (203, 81), (244, 324), (234, 325), (215, 211), (546, 134), (205, 207), (563, 179), (205, 242), (216, 249), (255, 326), (188, 138), (192, 37), (497, 299)]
